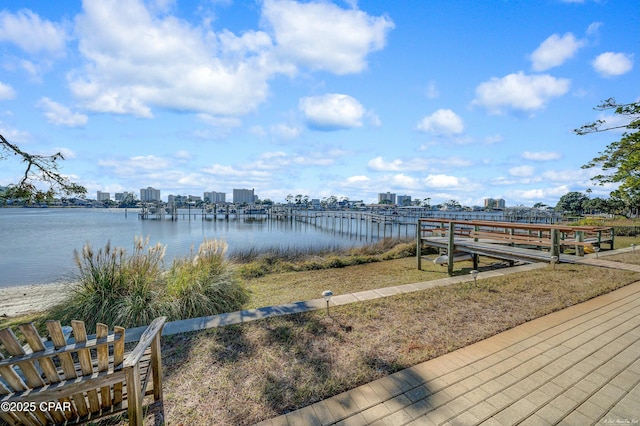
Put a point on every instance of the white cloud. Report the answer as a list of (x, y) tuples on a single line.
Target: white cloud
[(6, 92), (403, 181), (332, 111), (136, 61), (147, 166), (32, 34), (594, 28), (13, 134), (581, 176), (519, 92), (257, 131), (374, 119), (442, 122), (554, 51), (610, 64), (380, 165), (535, 195), (444, 181), (522, 171), (60, 115), (285, 132), (357, 179), (140, 58), (322, 36), (417, 164), (490, 140), (541, 155), (223, 122), (431, 91), (183, 155)]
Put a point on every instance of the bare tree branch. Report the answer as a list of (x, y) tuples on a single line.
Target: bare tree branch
[(38, 168)]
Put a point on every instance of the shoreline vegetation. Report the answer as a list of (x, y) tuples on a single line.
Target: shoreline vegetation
[(242, 374), (109, 274)]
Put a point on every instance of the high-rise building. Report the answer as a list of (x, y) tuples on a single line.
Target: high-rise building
[(491, 203), (120, 196), (103, 196), (149, 194), (243, 196), (215, 197), (386, 198), (404, 200)]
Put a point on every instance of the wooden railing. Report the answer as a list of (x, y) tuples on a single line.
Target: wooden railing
[(554, 238), (68, 381)]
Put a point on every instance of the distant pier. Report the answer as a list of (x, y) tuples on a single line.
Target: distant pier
[(372, 223), (223, 212)]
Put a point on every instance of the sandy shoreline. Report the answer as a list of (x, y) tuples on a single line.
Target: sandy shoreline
[(34, 297)]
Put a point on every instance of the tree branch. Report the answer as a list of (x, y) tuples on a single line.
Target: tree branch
[(42, 168)]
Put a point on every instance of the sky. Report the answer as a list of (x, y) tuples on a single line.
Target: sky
[(440, 99)]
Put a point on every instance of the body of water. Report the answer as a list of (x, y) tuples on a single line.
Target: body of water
[(38, 244)]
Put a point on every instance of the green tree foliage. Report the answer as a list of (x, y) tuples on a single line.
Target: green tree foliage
[(38, 168), (620, 161), (597, 205), (572, 202)]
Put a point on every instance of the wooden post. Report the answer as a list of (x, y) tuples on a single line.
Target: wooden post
[(612, 237), (156, 365), (419, 245), (134, 388), (579, 239), (555, 243), (450, 248)]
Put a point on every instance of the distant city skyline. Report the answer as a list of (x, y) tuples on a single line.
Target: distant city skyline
[(242, 195), (447, 99)]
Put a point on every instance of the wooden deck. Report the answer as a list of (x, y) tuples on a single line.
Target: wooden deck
[(510, 241)]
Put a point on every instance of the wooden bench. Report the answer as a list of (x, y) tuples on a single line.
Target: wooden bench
[(59, 381)]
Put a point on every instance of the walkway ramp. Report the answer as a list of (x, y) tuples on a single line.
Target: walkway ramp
[(604, 263), (501, 251)]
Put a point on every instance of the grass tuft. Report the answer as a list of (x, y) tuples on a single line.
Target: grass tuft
[(118, 288)]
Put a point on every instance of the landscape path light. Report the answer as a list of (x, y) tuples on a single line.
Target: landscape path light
[(554, 260), (633, 248), (326, 295), (474, 274)]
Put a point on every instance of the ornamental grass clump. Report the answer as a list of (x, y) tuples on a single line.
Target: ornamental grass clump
[(129, 290), (115, 287), (203, 284)]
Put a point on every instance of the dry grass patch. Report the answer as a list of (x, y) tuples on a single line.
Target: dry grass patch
[(242, 374), (289, 287)]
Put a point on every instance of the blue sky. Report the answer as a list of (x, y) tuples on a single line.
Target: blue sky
[(447, 100)]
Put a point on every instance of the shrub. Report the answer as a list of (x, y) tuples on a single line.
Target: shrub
[(113, 287), (400, 251), (203, 284), (131, 290)]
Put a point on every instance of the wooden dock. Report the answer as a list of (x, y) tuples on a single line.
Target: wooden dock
[(510, 241)]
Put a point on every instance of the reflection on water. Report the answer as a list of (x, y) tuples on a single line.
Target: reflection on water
[(37, 244)]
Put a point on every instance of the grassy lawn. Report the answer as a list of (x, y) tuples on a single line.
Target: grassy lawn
[(275, 289)]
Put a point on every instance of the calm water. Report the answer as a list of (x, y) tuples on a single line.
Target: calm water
[(37, 244)]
